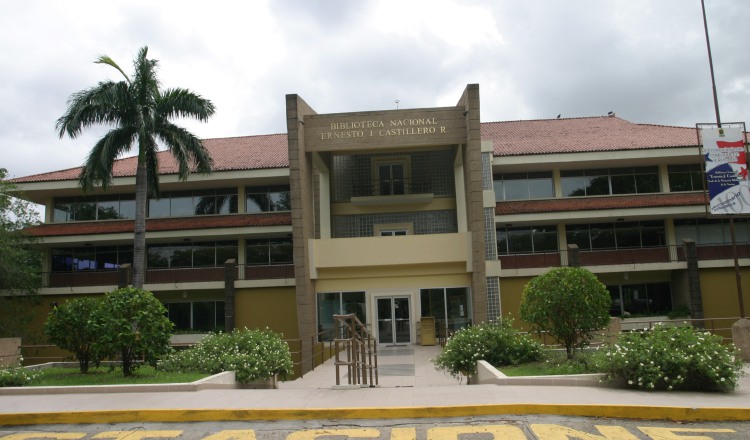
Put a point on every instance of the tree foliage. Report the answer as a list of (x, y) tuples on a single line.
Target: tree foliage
[(139, 114), (71, 327), (133, 324), (568, 303), (20, 263)]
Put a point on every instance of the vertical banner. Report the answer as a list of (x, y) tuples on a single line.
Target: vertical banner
[(725, 157)]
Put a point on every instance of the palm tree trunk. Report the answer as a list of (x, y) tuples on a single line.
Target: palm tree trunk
[(139, 239)]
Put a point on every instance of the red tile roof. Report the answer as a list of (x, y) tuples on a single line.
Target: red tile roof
[(236, 153), (512, 138), (162, 224), (629, 201), (604, 133)]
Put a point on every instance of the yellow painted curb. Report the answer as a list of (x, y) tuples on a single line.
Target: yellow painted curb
[(212, 415)]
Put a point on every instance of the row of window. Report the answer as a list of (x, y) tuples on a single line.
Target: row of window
[(620, 235), (172, 255), (205, 316), (596, 182), (172, 204)]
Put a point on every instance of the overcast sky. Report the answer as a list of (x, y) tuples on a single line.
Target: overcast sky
[(533, 59)]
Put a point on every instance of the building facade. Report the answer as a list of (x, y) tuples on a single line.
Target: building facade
[(400, 214)]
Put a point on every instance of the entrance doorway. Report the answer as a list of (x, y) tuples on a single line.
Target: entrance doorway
[(394, 325)]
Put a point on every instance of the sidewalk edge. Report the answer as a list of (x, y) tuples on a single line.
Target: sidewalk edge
[(209, 415)]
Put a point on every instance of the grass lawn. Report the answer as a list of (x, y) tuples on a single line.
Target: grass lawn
[(555, 363), (59, 376)]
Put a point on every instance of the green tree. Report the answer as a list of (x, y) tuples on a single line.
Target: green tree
[(132, 323), (139, 113), (568, 303), (20, 262), (71, 327)]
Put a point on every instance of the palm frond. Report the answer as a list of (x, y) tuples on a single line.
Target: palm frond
[(152, 169), (186, 148), (105, 103), (104, 59), (97, 171), (183, 103)]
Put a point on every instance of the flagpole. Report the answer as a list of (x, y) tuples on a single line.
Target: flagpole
[(737, 274)]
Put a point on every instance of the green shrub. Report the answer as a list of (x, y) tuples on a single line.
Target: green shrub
[(569, 304), (251, 354), (133, 324), (70, 326), (497, 343), (679, 312), (673, 358), (16, 376)]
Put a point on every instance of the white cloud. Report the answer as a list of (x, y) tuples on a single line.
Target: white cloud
[(644, 60)]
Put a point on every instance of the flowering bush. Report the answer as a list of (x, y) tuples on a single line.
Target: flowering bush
[(497, 343), (673, 358), (251, 354), (16, 376)]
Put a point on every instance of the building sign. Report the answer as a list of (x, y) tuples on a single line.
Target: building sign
[(395, 128), (725, 156)]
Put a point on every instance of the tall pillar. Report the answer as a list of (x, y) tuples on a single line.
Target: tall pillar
[(230, 275), (694, 281)]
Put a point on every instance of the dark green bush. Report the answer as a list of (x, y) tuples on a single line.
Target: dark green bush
[(71, 327), (673, 358), (569, 304), (497, 343), (132, 324)]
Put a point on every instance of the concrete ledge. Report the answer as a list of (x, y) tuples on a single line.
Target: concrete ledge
[(489, 375), (225, 380)]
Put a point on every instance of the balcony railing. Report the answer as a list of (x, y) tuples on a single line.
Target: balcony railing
[(392, 187), (167, 276), (605, 257)]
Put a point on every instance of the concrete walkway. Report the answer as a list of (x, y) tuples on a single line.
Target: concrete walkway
[(409, 386)]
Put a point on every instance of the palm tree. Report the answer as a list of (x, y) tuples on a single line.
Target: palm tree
[(139, 114)]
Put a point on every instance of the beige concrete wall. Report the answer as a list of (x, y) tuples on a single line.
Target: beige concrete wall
[(275, 308), (10, 351), (390, 251)]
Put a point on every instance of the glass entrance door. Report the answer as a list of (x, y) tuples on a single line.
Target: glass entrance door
[(394, 325)]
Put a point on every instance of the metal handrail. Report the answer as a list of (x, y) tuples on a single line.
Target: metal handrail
[(361, 351)]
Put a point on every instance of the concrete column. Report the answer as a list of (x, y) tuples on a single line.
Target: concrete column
[(694, 282), (230, 275), (741, 337), (124, 276), (574, 256)]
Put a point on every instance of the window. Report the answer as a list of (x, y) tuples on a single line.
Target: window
[(269, 251), (109, 207), (616, 235), (391, 179), (685, 177), (189, 203), (90, 258), (527, 240), (268, 199), (187, 254), (711, 231), (393, 232), (523, 186), (449, 306), (204, 316), (640, 299), (608, 181), (338, 303)]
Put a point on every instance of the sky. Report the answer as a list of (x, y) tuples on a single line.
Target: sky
[(533, 59)]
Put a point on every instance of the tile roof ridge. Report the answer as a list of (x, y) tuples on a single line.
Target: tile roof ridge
[(243, 136), (556, 119)]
